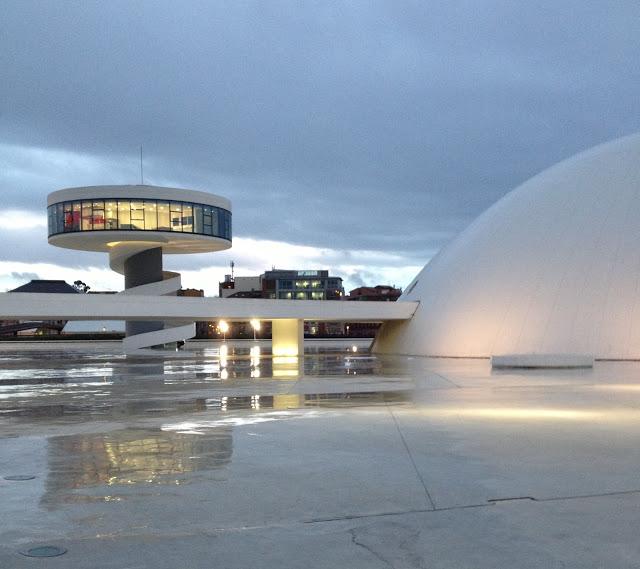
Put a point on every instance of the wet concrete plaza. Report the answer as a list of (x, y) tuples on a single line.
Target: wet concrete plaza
[(341, 459)]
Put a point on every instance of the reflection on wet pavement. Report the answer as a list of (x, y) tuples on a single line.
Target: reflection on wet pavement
[(129, 456), (75, 386), (109, 456), (206, 364), (107, 410), (111, 421), (158, 421)]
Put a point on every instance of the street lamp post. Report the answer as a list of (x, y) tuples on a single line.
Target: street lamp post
[(224, 328)]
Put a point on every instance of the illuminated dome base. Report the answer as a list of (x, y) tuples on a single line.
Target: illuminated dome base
[(551, 268)]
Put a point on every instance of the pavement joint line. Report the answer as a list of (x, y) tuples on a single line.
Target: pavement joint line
[(348, 517), (561, 498), (396, 513), (446, 379), (413, 462), (488, 503), (210, 532), (512, 499), (584, 496), (286, 524), (213, 532)]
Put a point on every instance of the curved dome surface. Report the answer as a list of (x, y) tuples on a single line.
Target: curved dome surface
[(551, 268)]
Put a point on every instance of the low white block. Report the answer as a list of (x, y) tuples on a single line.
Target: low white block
[(542, 361), (287, 337)]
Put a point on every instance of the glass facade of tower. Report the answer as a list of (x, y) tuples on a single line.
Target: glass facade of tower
[(139, 215)]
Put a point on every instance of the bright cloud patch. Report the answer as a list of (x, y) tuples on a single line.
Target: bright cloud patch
[(254, 256), (13, 274), (251, 257), (22, 220)]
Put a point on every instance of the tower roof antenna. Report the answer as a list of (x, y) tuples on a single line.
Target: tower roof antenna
[(141, 168)]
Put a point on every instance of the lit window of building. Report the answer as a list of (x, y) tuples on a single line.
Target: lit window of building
[(138, 215)]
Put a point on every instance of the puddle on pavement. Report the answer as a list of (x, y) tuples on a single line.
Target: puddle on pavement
[(222, 403), (212, 364), (186, 407), (100, 467), (128, 457), (71, 386)]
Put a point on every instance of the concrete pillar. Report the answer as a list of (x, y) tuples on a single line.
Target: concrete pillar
[(287, 337), (140, 269)]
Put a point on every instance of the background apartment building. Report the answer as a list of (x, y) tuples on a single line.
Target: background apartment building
[(284, 285)]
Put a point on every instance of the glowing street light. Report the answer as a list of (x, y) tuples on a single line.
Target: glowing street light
[(224, 328), (255, 324)]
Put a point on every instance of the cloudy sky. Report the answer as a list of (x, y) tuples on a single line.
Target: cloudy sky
[(354, 136)]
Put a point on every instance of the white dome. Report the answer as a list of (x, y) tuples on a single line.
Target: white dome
[(551, 268)]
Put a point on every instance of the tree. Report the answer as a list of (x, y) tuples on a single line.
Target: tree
[(81, 286)]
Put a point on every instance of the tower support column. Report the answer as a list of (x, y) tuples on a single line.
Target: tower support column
[(140, 269), (287, 337)]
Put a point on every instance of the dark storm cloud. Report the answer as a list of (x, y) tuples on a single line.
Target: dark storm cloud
[(381, 125)]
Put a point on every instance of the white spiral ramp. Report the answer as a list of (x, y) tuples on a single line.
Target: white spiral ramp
[(141, 265)]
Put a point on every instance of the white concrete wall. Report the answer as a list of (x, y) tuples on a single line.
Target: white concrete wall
[(26, 306)]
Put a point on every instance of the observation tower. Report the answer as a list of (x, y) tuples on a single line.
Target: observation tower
[(137, 225)]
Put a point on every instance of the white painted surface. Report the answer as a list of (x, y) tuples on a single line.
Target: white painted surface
[(122, 244), (169, 285), (14, 305), (553, 267), (137, 192), (112, 241), (132, 344), (173, 331)]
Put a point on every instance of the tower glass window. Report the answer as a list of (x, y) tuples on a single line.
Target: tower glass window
[(87, 216), (176, 216), (110, 214), (75, 216), (98, 214), (124, 214), (139, 215), (187, 218), (164, 219), (150, 215), (198, 220)]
